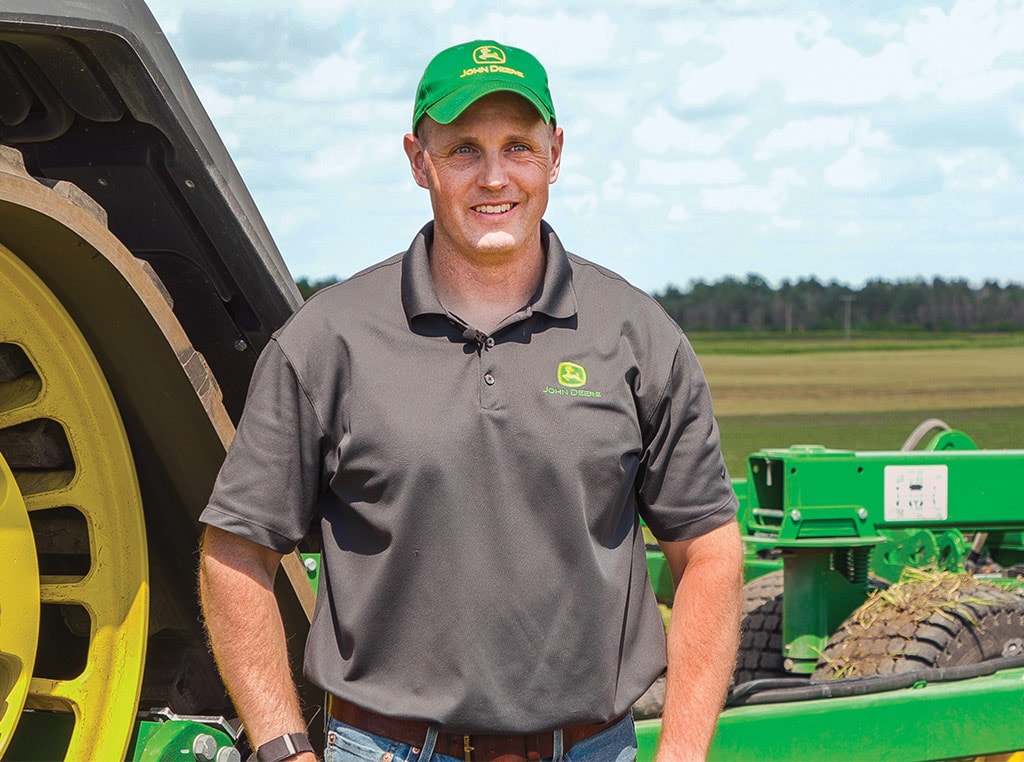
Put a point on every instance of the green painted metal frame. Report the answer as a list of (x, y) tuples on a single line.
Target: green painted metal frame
[(174, 741), (933, 721), (983, 491)]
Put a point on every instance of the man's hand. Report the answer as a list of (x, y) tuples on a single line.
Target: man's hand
[(236, 587), (703, 637)]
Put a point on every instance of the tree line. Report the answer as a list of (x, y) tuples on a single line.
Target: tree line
[(809, 305), (751, 304)]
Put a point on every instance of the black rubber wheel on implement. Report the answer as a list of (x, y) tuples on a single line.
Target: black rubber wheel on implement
[(760, 651), (974, 623)]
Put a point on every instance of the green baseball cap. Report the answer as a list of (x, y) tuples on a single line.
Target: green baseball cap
[(459, 76)]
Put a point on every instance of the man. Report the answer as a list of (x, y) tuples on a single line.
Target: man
[(478, 425)]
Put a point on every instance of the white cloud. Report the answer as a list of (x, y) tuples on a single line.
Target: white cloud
[(974, 170), (343, 159), (981, 86), (786, 223), (885, 30), (959, 51), (852, 171), (643, 200), (717, 172), (815, 134), (330, 78), (761, 199), (799, 57), (321, 10), (612, 187), (963, 41), (821, 133), (676, 33), (678, 213), (787, 177), (291, 219), (659, 132), (833, 72), (742, 198), (581, 204), (218, 105)]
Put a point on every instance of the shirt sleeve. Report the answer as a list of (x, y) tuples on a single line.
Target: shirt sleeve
[(685, 489), (269, 484)]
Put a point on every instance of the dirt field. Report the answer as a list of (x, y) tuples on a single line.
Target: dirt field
[(870, 381)]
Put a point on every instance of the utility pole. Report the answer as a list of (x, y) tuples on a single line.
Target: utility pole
[(848, 301)]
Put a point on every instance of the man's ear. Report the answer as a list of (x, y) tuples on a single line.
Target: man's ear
[(557, 139), (417, 159)]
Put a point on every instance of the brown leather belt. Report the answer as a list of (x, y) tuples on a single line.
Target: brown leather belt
[(472, 748)]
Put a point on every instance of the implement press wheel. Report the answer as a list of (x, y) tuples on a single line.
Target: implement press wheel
[(760, 648), (81, 569), (976, 622)]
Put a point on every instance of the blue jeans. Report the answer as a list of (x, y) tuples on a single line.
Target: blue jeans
[(348, 744)]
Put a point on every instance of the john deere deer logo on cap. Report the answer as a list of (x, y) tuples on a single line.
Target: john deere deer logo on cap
[(572, 375), (488, 54)]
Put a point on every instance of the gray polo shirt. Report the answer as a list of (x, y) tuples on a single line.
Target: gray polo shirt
[(479, 495)]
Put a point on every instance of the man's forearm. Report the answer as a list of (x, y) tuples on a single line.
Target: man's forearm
[(247, 635), (702, 641)]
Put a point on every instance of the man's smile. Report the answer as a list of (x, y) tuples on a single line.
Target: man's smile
[(493, 208)]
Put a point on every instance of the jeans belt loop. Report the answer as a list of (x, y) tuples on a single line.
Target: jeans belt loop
[(557, 744)]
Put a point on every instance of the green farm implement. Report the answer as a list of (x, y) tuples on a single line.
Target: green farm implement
[(884, 609), (138, 285)]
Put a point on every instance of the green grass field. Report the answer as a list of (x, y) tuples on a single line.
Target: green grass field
[(866, 394)]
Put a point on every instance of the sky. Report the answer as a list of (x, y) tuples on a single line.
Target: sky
[(850, 141)]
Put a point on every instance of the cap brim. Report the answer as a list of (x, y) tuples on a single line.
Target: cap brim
[(448, 109)]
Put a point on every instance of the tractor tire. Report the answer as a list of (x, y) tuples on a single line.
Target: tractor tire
[(112, 429), (976, 623), (760, 650)]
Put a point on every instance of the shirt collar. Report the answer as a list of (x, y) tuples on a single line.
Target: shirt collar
[(418, 294), (556, 296)]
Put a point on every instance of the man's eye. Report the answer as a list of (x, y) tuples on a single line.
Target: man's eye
[(463, 150), (520, 147)]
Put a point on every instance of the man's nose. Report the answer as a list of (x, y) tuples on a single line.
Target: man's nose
[(493, 172)]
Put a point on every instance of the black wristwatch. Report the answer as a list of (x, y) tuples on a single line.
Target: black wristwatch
[(282, 748)]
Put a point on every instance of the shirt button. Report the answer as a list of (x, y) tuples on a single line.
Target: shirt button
[(489, 343), (489, 379)]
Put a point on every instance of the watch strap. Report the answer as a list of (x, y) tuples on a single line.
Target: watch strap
[(282, 748)]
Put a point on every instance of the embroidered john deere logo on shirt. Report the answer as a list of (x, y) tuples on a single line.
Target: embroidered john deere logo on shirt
[(571, 378), (572, 375)]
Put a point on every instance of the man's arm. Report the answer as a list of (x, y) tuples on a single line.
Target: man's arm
[(236, 588), (703, 636)]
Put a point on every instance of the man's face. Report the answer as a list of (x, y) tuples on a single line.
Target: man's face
[(488, 174)]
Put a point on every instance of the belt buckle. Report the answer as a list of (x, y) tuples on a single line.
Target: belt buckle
[(467, 748)]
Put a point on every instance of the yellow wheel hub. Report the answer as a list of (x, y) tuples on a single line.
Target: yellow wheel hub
[(19, 610), (69, 459)]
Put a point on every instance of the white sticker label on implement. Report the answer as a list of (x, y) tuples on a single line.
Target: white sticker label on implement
[(916, 493)]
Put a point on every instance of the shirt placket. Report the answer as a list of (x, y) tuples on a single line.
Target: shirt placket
[(490, 377)]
